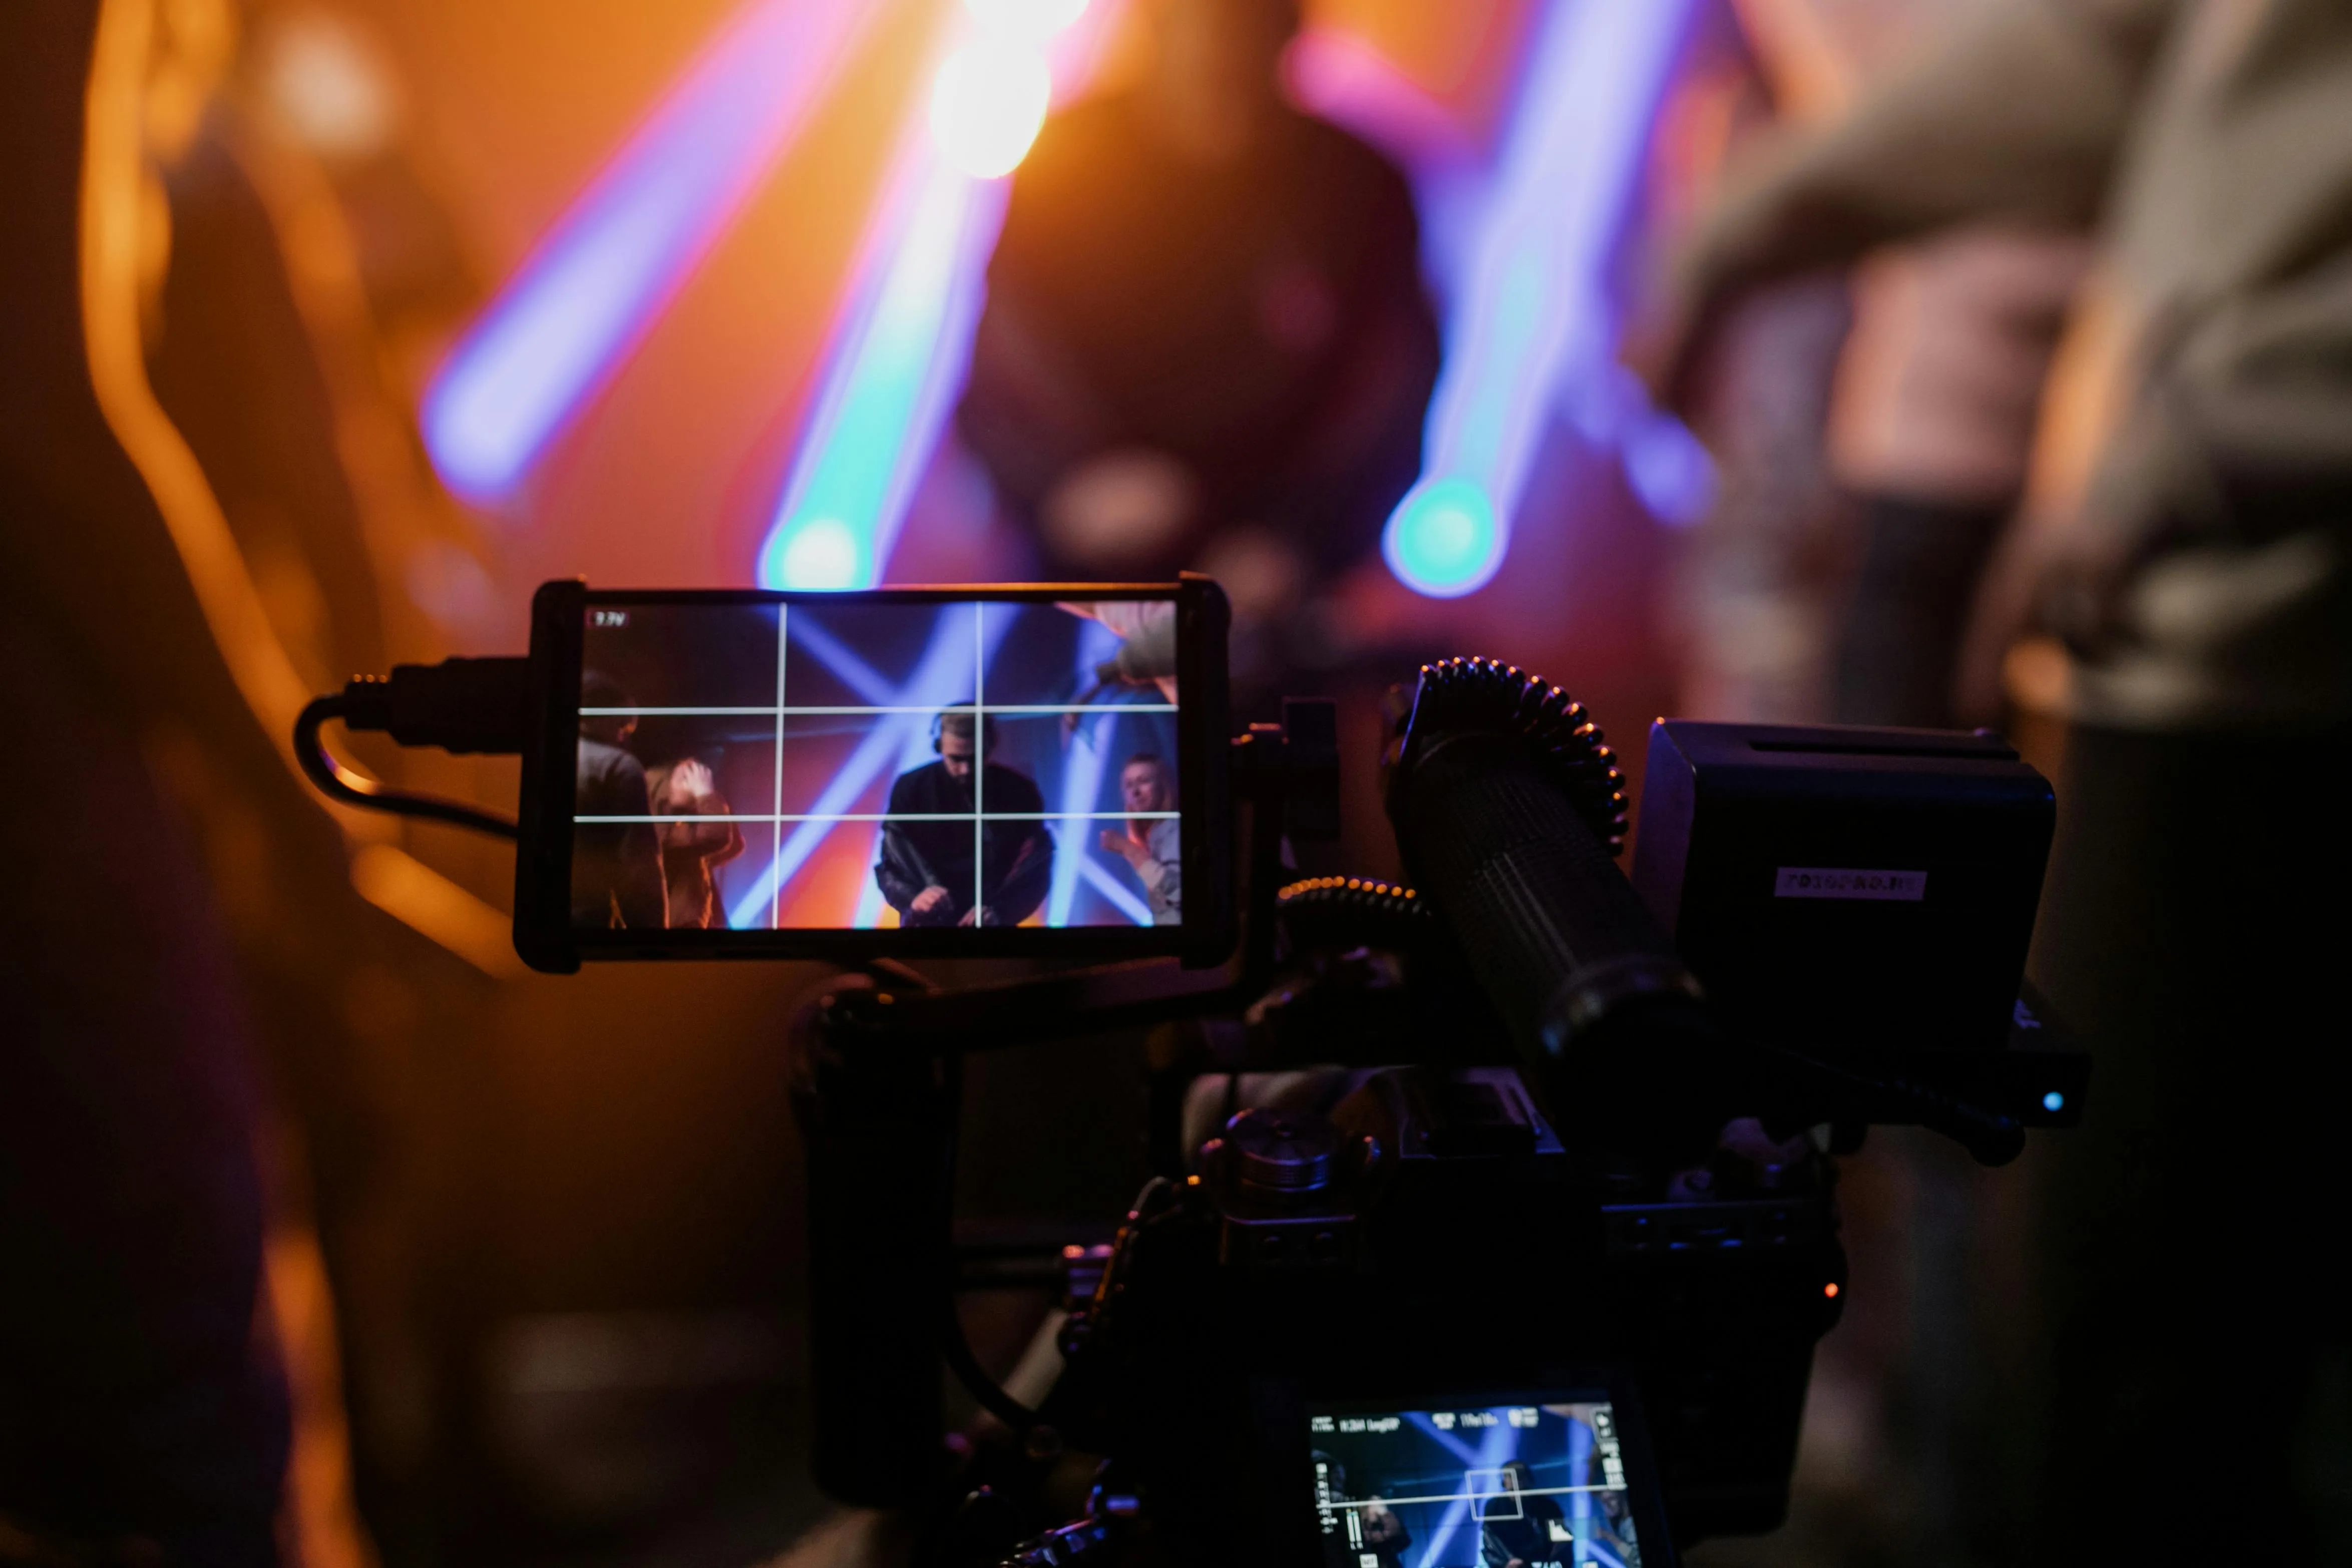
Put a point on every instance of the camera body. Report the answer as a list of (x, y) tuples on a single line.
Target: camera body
[(1395, 1188), (1431, 1240)]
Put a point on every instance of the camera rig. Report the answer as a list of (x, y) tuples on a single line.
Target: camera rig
[(1529, 1148), (1485, 1136)]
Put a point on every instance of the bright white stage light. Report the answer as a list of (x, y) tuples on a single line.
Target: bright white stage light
[(1035, 20), (822, 554), (988, 105)]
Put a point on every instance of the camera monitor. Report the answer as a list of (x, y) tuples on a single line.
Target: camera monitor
[(926, 771), (1539, 1483)]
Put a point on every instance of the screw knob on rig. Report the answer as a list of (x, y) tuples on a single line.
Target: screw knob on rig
[(1290, 1151)]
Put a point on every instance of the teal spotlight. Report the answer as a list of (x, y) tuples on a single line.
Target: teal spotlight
[(822, 553), (1442, 540)]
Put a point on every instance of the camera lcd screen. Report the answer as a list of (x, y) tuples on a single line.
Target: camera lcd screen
[(862, 762), (1536, 1484)]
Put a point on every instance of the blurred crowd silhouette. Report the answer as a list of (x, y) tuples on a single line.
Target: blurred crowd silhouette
[(2020, 332)]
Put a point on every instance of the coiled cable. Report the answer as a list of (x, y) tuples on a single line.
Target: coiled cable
[(355, 788)]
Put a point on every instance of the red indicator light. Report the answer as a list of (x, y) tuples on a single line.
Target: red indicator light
[(1830, 1290)]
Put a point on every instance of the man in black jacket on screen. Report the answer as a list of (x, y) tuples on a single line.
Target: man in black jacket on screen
[(925, 868)]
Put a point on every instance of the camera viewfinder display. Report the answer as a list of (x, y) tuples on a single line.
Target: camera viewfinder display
[(1533, 1484), (859, 763)]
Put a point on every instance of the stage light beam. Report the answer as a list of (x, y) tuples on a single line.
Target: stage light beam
[(988, 105), (1116, 896), (900, 355), (1032, 21), (587, 294), (886, 391), (1532, 318)]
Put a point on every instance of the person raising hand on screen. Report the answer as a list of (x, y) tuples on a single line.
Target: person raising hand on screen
[(1150, 845)]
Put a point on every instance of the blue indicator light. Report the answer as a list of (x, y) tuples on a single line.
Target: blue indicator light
[(2053, 1101)]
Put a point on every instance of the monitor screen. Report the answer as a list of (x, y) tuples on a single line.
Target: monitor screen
[(870, 763), (1472, 1487)]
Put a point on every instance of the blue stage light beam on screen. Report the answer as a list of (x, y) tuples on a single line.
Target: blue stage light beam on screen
[(1534, 310), (1082, 771), (871, 686), (1120, 898), (943, 675), (914, 750), (1494, 1447), (588, 293), (1580, 1503)]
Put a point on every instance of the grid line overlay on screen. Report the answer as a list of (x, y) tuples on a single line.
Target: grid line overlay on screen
[(781, 711), (801, 711), (776, 890), (979, 761), (784, 817), (1340, 1504)]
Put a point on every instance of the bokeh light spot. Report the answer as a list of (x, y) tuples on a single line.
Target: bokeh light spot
[(820, 552), (988, 104)]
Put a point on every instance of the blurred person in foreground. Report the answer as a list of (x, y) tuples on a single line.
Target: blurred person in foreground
[(144, 1399), (1872, 429), (1930, 429), (1206, 343), (2196, 565)]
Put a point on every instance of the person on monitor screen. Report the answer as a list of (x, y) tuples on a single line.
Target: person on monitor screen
[(1520, 1529), (1150, 846), (689, 850), (1386, 1539), (1378, 1538), (926, 869), (616, 866)]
